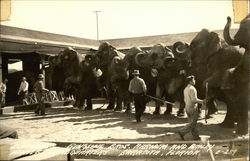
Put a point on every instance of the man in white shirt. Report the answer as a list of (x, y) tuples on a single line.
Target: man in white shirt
[(191, 103), (23, 90), (2, 92)]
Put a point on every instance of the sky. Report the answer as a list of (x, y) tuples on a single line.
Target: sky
[(119, 19)]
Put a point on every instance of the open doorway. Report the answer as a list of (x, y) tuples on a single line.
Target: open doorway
[(15, 66), (15, 71)]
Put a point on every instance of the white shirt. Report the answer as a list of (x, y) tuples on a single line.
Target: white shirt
[(190, 98), (23, 86), (137, 85), (3, 87)]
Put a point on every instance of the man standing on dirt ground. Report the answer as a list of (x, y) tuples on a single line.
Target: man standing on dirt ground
[(3, 92), (40, 95), (138, 88), (191, 103), (23, 90)]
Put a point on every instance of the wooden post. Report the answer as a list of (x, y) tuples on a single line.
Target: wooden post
[(1, 72), (42, 68)]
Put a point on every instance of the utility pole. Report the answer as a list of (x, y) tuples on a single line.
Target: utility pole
[(97, 30)]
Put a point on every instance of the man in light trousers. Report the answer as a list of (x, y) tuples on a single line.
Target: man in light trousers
[(191, 103)]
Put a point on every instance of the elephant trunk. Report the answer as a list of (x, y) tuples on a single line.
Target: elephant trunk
[(140, 59), (226, 33), (180, 47)]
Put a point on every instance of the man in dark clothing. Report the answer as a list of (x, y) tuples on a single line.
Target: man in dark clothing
[(40, 95), (138, 88)]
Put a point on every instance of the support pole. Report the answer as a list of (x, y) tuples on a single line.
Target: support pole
[(97, 27)]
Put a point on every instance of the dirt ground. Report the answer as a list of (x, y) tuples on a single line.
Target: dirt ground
[(65, 123)]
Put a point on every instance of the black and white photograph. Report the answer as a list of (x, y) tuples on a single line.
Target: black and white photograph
[(123, 80)]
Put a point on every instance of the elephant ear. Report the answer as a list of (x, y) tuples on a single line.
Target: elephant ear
[(129, 58), (228, 79), (134, 50), (53, 60), (213, 44), (70, 54), (139, 57)]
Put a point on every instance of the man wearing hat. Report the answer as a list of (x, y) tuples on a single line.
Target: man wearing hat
[(40, 91), (191, 103), (23, 90), (138, 88), (2, 92)]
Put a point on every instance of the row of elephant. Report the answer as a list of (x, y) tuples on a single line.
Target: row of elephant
[(211, 59)]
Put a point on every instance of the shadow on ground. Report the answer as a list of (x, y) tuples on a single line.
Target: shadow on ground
[(156, 127)]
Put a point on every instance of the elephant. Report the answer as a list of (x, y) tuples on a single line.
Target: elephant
[(110, 62), (211, 56), (170, 75), (236, 79), (241, 38), (146, 73), (57, 76), (80, 78)]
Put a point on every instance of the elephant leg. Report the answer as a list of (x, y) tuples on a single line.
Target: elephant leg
[(127, 102), (80, 102), (129, 107), (111, 97), (181, 109), (89, 104), (230, 115), (242, 126), (242, 106), (169, 109), (169, 106), (159, 92), (212, 107), (199, 108), (76, 103), (119, 101)]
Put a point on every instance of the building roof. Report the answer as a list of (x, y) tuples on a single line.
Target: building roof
[(15, 39), (149, 41), (19, 40)]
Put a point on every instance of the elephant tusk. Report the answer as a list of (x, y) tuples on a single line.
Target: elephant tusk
[(180, 50), (182, 72)]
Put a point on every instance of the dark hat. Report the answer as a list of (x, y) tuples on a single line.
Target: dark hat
[(136, 72), (189, 78), (40, 76)]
